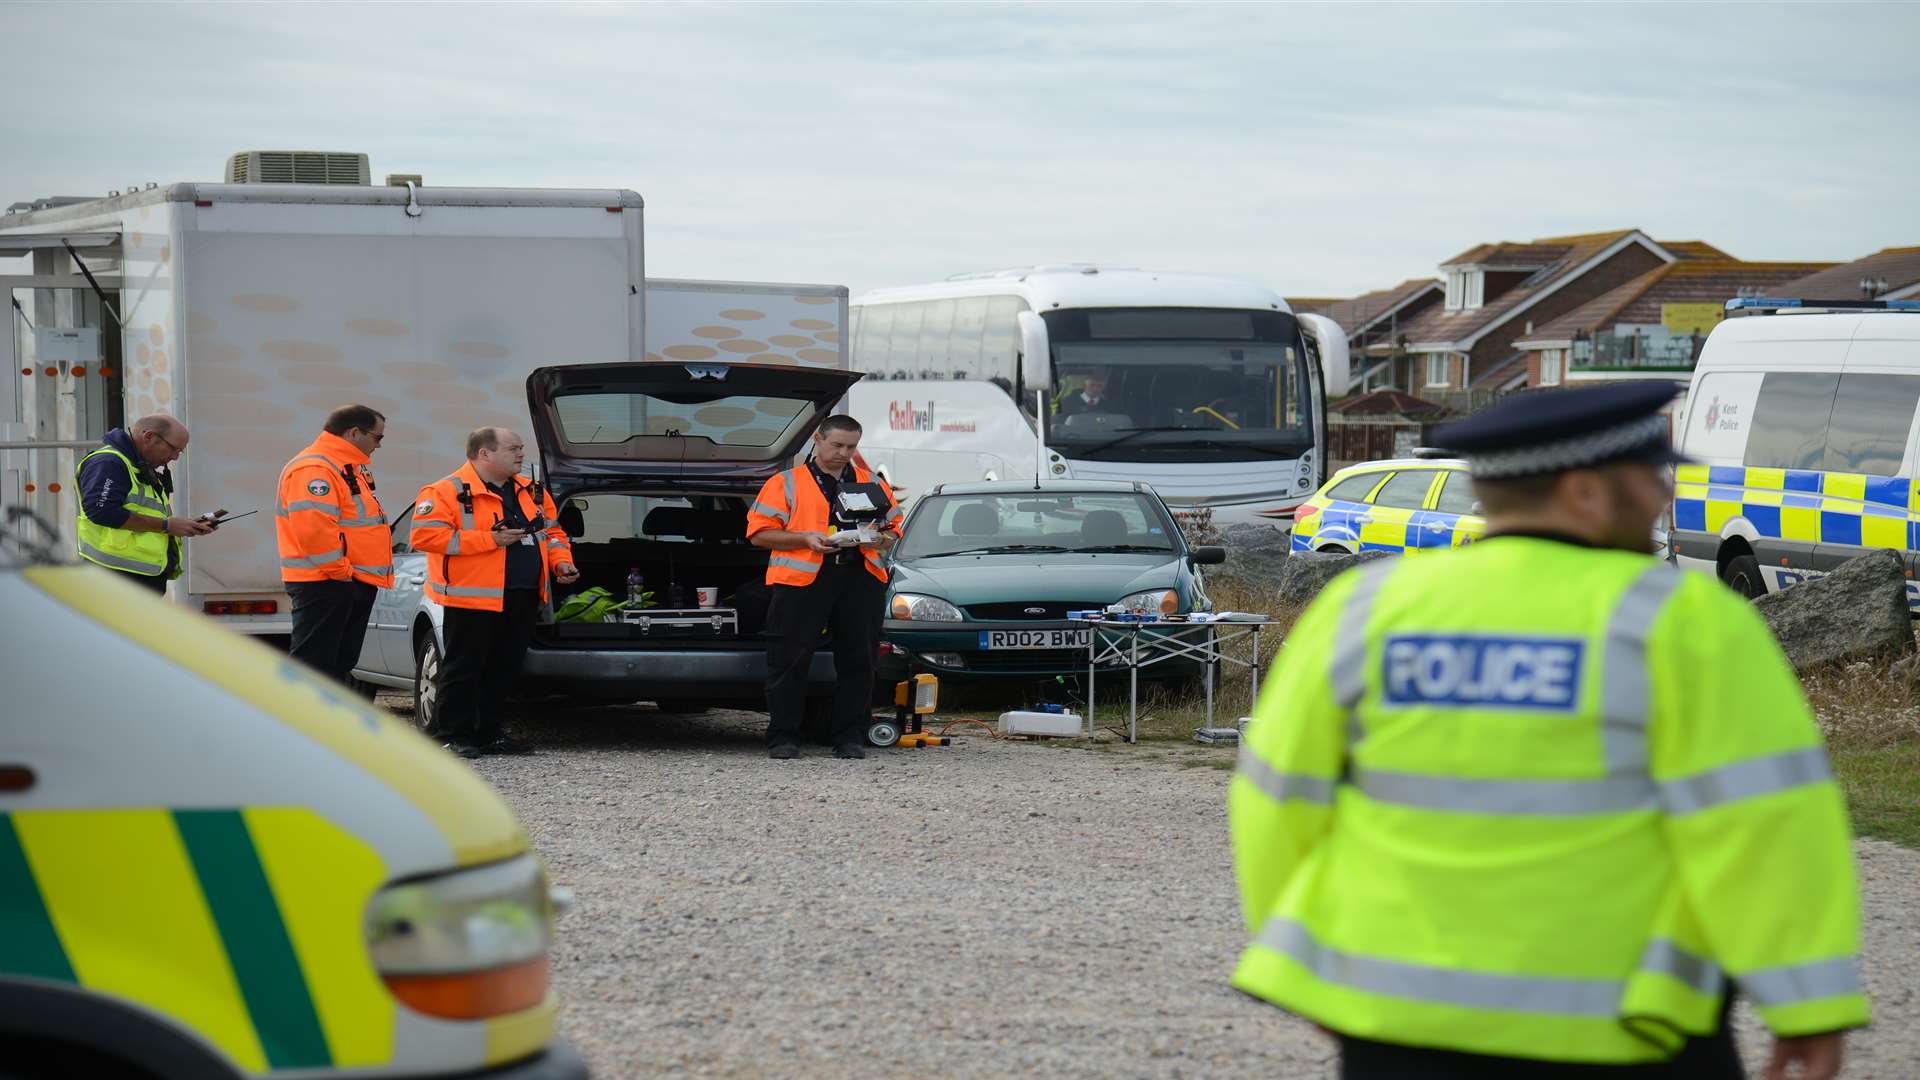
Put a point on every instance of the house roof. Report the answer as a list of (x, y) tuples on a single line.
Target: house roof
[(1314, 305), (1363, 311), (1689, 281), (1900, 266), (1385, 401), (1503, 372), (1695, 249), (1559, 260)]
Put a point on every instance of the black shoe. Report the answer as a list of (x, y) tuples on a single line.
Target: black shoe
[(783, 752), (849, 750), (465, 750), (506, 744)]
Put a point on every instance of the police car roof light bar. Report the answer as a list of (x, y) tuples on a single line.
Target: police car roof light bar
[(1775, 303)]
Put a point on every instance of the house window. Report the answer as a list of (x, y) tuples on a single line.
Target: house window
[(1466, 289), (1552, 366), (1437, 369)]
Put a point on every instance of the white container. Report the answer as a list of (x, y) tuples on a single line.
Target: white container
[(1021, 722)]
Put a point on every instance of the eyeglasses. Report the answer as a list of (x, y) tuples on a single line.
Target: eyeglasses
[(176, 449), (378, 436)]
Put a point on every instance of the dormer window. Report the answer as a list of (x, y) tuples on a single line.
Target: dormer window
[(1466, 289)]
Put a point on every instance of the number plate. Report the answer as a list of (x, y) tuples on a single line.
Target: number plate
[(1034, 639)]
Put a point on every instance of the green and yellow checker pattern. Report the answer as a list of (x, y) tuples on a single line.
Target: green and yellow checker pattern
[(1800, 505), (243, 925)]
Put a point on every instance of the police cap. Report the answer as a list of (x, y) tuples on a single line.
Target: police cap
[(1549, 431)]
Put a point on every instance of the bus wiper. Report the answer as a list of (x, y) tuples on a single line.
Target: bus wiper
[(1125, 547), (1000, 549), (1134, 433)]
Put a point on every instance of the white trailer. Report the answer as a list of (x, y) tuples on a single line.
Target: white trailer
[(249, 310), (759, 322)]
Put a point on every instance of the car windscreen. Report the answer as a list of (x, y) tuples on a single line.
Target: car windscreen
[(728, 420), (1037, 522)]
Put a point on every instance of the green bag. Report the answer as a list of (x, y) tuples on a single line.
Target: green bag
[(588, 605)]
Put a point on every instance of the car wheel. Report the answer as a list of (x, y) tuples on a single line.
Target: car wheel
[(1742, 575), (426, 683), (1334, 549), (883, 733)]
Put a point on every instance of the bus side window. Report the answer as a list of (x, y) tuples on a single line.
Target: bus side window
[(905, 341), (1000, 349), (871, 352), (934, 333), (969, 329)]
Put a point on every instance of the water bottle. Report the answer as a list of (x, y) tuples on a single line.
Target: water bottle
[(636, 588)]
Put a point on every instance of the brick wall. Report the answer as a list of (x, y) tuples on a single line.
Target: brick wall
[(1623, 267)]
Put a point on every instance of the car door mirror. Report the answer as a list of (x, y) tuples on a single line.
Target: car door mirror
[(1035, 353), (1207, 555)]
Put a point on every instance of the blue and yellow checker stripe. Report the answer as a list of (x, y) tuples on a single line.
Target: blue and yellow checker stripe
[(1363, 526), (204, 916), (1800, 505)]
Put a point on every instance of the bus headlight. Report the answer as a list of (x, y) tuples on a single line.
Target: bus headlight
[(923, 608), (1152, 602), (466, 945)]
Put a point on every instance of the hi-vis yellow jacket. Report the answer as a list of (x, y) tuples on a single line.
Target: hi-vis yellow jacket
[(1535, 800), (248, 870)]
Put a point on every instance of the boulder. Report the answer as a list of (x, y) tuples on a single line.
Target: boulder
[(1857, 612), (1246, 536), (1307, 572)]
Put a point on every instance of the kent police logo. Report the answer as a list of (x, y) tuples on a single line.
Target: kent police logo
[(426, 507), (1484, 671), (318, 487)]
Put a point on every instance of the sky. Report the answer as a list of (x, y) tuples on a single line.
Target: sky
[(1322, 150)]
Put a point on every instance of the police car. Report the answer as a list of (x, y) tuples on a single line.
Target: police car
[(215, 864), (1402, 505), (1803, 424)]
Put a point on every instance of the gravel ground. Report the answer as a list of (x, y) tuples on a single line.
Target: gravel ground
[(988, 909)]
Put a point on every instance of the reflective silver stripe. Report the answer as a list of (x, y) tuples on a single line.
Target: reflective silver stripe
[(469, 590), (786, 484), (466, 512), (1700, 974), (135, 498), (1745, 779), (1348, 666), (453, 543), (1797, 983), (793, 564), (1538, 798), (1443, 986), (120, 562), (332, 510), (1281, 786), (1625, 687), (433, 524), (376, 571), (556, 543), (362, 522), (311, 561), (769, 511), (896, 514)]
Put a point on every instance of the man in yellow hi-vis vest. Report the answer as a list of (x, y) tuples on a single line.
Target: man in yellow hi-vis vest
[(1546, 801)]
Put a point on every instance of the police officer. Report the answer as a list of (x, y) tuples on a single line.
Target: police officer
[(1545, 801), (336, 551), (126, 521), (492, 541), (817, 584)]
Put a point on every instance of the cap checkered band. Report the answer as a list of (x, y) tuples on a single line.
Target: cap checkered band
[(1573, 453)]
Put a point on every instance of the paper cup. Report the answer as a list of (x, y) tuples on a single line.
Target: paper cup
[(709, 595)]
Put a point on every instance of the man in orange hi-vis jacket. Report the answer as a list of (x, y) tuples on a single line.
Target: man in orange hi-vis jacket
[(491, 541), (824, 573), (335, 548)]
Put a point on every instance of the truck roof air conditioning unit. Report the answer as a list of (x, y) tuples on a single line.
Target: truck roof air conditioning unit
[(298, 167)]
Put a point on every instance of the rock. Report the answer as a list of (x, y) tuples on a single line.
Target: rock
[(1907, 670), (1858, 612), (1242, 535), (1307, 572)]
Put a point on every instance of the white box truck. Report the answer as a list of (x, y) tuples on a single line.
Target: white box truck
[(757, 322), (249, 310)]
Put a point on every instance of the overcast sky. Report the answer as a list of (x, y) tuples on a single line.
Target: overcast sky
[(1322, 150)]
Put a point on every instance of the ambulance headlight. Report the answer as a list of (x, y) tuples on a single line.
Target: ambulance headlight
[(920, 608), (468, 944), (1152, 602)]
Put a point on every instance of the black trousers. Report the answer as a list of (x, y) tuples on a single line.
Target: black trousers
[(329, 623), (484, 652), (155, 583), (1712, 1057), (846, 600)]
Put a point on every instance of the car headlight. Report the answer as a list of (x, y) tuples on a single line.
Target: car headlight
[(466, 945), (1152, 602), (908, 605)]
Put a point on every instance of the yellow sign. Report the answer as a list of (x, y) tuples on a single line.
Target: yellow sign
[(1684, 319)]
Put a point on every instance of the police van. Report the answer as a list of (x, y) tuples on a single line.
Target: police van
[(215, 864), (1801, 419)]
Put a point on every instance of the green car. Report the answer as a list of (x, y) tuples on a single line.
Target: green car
[(985, 574)]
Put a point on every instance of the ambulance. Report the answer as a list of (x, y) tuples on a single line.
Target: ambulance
[(215, 864), (1802, 420)]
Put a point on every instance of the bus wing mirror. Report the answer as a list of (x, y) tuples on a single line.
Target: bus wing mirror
[(1034, 352), (1331, 342)]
